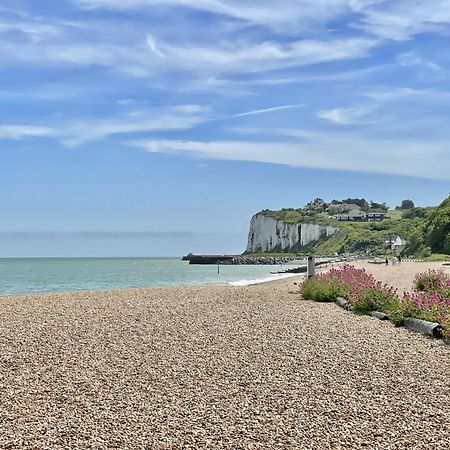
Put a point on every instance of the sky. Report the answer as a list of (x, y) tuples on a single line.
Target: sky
[(159, 127)]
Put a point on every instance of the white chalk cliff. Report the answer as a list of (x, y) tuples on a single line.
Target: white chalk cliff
[(268, 234)]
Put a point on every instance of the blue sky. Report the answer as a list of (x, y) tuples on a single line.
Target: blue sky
[(158, 127)]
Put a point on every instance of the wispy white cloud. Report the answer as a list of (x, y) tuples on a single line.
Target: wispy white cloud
[(151, 42), (326, 151), (411, 58), (267, 110), (426, 69), (388, 19), (127, 101), (402, 19), (395, 94), (287, 15), (77, 132), (349, 116), (231, 62), (36, 31), (140, 54), (247, 86), (17, 132), (268, 55)]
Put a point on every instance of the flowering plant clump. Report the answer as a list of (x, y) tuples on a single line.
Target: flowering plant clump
[(326, 287), (360, 288), (429, 301), (433, 281)]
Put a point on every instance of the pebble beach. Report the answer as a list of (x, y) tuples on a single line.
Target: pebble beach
[(217, 367)]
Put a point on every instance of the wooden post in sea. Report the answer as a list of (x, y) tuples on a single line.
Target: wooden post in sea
[(311, 267)]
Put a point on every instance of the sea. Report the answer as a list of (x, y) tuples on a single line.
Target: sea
[(34, 275)]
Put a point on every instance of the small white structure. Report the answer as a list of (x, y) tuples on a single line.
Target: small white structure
[(397, 245)]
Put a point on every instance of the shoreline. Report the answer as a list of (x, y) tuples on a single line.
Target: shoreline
[(392, 275), (28, 277), (232, 284)]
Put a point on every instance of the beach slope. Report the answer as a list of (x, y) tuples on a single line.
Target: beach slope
[(212, 367)]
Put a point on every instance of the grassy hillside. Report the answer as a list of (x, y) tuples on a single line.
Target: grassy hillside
[(432, 235), (359, 237), (426, 230), (293, 216)]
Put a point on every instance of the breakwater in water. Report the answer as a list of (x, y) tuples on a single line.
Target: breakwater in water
[(240, 259)]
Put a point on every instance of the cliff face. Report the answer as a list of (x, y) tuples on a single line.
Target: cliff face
[(269, 234)]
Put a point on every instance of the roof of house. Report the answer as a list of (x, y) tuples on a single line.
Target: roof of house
[(398, 241), (351, 214)]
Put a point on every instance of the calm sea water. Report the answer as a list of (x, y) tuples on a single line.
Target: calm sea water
[(27, 275)]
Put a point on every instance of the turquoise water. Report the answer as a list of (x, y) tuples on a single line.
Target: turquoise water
[(28, 275)]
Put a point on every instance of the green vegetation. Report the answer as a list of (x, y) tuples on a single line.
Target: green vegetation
[(395, 215), (353, 237), (417, 213), (437, 229), (430, 299), (431, 234), (437, 257), (426, 230), (360, 288), (322, 289), (293, 216), (407, 204), (360, 237)]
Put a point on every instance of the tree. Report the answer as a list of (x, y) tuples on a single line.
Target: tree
[(382, 206), (415, 213), (361, 202), (407, 204), (437, 228)]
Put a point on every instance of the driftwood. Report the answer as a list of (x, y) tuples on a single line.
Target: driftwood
[(379, 315), (423, 326), (344, 304)]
